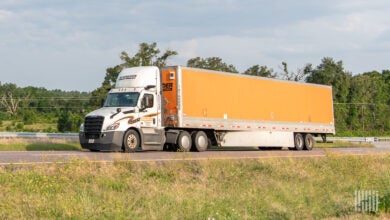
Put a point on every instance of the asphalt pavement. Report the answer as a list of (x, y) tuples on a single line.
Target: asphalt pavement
[(48, 157)]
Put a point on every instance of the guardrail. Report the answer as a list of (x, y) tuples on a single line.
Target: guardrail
[(39, 135), (356, 139)]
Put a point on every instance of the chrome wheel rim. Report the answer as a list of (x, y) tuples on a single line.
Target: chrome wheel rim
[(185, 142), (202, 141), (132, 141)]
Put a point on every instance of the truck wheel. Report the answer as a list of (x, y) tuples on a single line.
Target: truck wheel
[(298, 142), (309, 142), (199, 141), (184, 141), (132, 141)]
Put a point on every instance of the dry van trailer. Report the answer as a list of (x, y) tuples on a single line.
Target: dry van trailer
[(210, 107)]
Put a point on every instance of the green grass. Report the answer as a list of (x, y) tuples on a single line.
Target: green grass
[(343, 144), (295, 188), (39, 146), (19, 126)]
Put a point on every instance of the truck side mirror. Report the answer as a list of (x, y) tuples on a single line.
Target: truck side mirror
[(150, 87)]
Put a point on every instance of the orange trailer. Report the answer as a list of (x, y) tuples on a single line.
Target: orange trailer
[(241, 110)]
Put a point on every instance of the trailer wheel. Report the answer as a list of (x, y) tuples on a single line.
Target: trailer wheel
[(199, 141), (298, 142), (184, 141), (309, 142), (132, 141)]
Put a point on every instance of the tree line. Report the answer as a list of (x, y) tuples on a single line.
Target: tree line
[(361, 101), (31, 105)]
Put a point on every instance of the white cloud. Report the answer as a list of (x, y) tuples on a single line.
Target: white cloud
[(4, 14), (353, 5), (342, 36)]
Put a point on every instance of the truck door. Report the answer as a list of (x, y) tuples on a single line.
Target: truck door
[(153, 137), (149, 111)]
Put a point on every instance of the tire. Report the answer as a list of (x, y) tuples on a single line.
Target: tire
[(184, 142), (299, 142), (199, 141), (131, 141), (309, 142)]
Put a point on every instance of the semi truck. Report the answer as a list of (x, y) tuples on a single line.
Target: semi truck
[(184, 108)]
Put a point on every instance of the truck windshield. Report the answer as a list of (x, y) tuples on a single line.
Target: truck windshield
[(128, 99)]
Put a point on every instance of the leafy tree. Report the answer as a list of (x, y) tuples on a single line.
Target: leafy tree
[(386, 79), (39, 105), (147, 55), (69, 121), (368, 108), (300, 75), (29, 117), (258, 70), (211, 63)]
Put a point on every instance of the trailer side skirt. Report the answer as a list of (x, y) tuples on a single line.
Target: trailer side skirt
[(258, 138)]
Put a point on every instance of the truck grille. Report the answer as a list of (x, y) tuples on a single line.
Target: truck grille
[(93, 126)]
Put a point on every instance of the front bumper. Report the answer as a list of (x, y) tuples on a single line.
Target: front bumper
[(106, 141)]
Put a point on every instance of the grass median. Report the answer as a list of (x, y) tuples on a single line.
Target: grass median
[(38, 144), (294, 188), (337, 144)]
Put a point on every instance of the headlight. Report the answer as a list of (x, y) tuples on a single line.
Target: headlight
[(112, 127), (82, 127)]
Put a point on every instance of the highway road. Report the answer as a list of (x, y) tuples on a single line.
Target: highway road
[(47, 157)]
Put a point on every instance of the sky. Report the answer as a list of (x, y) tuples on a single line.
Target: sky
[(68, 44)]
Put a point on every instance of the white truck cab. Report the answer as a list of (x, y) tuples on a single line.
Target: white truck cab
[(131, 113)]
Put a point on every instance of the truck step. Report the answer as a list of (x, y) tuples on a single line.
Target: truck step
[(152, 143)]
